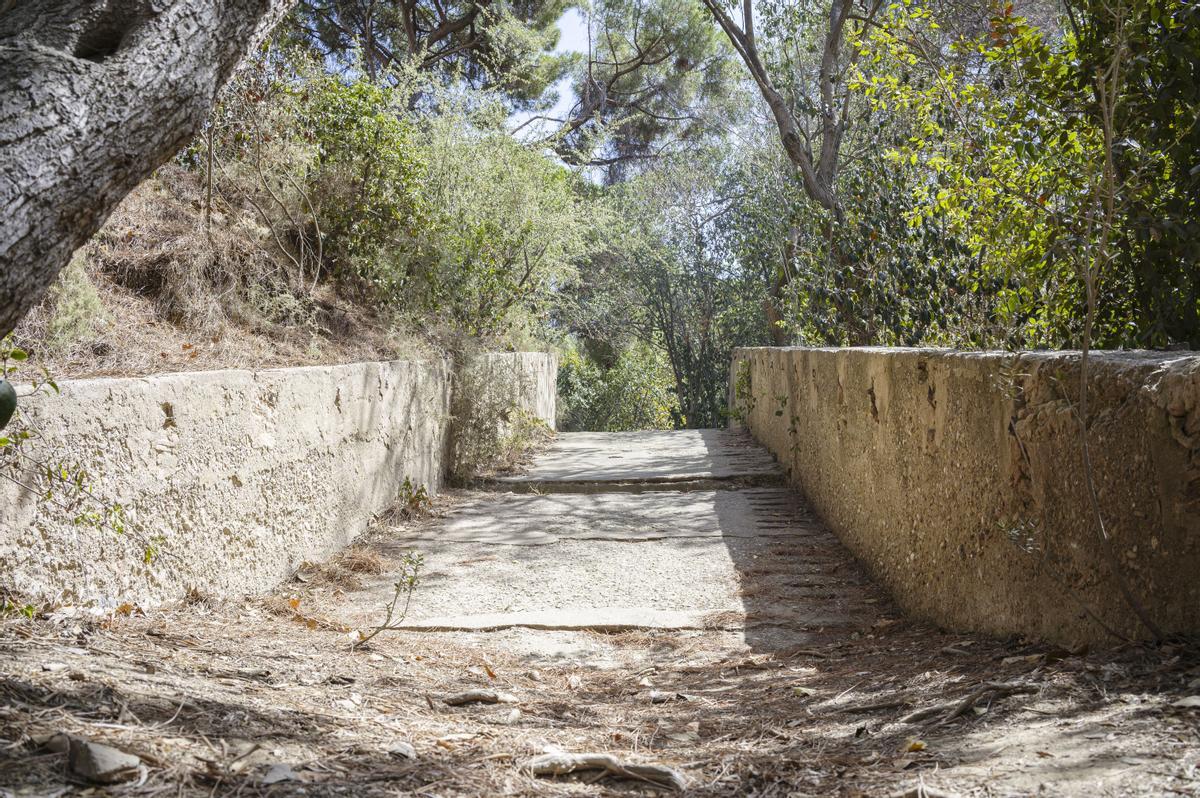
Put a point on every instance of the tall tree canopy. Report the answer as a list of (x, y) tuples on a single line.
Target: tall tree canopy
[(657, 78), (487, 43)]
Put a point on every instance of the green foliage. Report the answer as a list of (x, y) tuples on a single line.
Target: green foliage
[(365, 169), (505, 225), (1013, 129), (492, 431), (659, 80), (407, 580), (410, 191), (668, 274), (500, 47), (743, 392), (627, 390), (414, 499), (1157, 139), (997, 183)]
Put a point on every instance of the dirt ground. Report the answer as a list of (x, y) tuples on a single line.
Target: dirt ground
[(268, 697)]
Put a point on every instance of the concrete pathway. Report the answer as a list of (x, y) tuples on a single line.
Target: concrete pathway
[(643, 530)]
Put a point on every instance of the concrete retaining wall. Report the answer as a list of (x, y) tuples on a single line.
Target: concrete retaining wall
[(958, 479), (235, 477)]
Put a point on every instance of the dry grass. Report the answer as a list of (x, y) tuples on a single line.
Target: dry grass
[(175, 298), (345, 569)]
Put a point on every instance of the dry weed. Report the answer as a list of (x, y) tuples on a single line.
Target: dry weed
[(164, 295)]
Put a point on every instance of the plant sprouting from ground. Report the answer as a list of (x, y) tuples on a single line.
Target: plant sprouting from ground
[(407, 580)]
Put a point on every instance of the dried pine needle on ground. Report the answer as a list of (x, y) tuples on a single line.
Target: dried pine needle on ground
[(239, 700)]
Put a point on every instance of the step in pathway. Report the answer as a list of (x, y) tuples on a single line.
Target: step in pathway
[(690, 530)]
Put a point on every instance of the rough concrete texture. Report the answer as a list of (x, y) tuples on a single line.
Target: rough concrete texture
[(648, 458), (958, 479), (234, 477), (618, 558), (496, 382)]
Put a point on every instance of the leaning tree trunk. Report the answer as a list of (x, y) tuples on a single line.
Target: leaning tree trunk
[(95, 95)]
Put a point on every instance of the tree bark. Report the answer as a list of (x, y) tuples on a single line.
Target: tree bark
[(95, 95)]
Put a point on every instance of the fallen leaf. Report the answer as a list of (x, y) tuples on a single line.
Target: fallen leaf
[(915, 745)]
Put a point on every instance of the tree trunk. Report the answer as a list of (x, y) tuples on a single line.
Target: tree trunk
[(95, 95)]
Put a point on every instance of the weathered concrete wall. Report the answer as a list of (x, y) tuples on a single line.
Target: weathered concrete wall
[(235, 477), (958, 478), (495, 382)]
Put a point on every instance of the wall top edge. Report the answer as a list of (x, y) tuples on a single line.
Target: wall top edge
[(249, 375), (1133, 357)]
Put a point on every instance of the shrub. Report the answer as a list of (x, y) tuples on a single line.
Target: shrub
[(634, 393)]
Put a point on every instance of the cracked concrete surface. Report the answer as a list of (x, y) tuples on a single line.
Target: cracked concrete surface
[(616, 558)]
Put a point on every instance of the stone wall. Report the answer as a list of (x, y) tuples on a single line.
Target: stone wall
[(234, 477), (958, 479)]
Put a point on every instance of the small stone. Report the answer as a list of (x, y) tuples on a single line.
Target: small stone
[(101, 764), (278, 772), (56, 743), (402, 750)]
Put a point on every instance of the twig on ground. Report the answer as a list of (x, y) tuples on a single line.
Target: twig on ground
[(561, 764), (989, 691), (479, 697)]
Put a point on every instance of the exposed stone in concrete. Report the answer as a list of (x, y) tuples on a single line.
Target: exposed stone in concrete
[(957, 478), (644, 459)]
